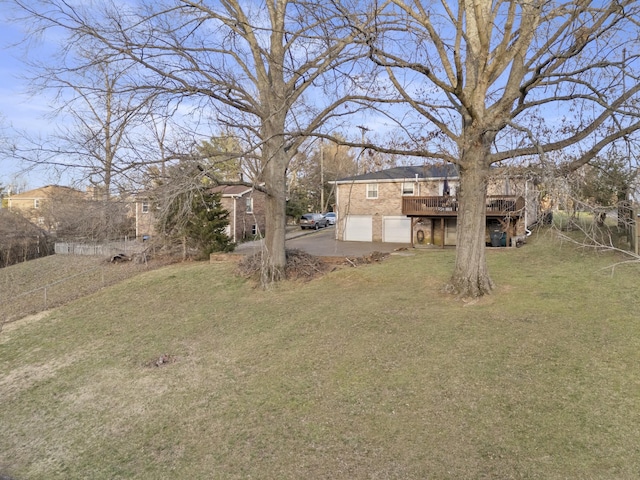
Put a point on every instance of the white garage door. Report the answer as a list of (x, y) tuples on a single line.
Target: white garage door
[(396, 230), (358, 228)]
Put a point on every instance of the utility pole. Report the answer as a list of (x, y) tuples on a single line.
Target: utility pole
[(321, 175)]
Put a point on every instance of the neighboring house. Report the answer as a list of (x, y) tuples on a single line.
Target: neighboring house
[(36, 205), (144, 218), (246, 207), (418, 205)]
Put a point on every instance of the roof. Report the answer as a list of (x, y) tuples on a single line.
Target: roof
[(45, 191), (401, 173), (232, 190)]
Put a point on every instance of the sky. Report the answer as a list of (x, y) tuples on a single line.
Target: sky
[(20, 111), (23, 112)]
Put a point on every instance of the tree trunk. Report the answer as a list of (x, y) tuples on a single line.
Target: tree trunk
[(274, 258), (471, 277)]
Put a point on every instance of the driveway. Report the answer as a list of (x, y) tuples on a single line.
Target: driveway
[(322, 243)]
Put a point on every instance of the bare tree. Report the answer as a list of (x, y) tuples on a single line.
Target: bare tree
[(250, 63), (81, 218), (21, 240), (96, 117), (313, 170), (493, 80), (224, 155)]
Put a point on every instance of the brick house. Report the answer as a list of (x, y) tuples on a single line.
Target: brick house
[(246, 207), (417, 205), (144, 217), (36, 205)]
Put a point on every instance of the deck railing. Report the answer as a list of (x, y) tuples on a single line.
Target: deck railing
[(498, 205)]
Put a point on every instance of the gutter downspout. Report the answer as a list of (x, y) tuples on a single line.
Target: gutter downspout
[(235, 220)]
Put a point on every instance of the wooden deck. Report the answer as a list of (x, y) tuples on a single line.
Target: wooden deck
[(497, 206)]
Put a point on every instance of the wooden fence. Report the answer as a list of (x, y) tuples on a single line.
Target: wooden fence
[(103, 250)]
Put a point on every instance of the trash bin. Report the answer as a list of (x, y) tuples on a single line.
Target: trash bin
[(496, 238)]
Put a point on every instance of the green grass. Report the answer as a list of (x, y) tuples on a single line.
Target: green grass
[(367, 373)]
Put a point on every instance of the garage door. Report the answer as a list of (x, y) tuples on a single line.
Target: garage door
[(358, 228), (396, 230)]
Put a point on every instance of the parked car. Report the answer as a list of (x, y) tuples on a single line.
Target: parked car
[(313, 220), (331, 216)]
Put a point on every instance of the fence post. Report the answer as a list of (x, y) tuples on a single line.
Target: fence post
[(635, 226), (45, 298)]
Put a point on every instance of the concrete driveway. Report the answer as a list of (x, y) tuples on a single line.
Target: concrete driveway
[(322, 243)]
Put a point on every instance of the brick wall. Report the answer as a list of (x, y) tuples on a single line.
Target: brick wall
[(352, 200), (243, 222)]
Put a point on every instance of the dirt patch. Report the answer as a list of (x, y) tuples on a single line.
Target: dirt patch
[(10, 326), (373, 257), (161, 361), (24, 377)]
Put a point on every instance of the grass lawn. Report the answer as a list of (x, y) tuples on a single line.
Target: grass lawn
[(189, 372)]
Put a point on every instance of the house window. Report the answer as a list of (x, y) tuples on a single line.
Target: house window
[(254, 229), (408, 188), (36, 203), (249, 205), (372, 190), (145, 207)]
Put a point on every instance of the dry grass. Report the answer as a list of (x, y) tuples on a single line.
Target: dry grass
[(364, 373), (47, 282)]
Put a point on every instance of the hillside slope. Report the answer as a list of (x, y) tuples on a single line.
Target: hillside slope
[(190, 371), (36, 285)]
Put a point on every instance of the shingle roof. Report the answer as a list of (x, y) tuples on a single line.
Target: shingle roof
[(45, 191), (399, 173), (231, 190)]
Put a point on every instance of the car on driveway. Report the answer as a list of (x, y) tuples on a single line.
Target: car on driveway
[(331, 216), (313, 220)]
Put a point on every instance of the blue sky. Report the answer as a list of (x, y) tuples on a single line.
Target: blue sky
[(19, 110), (22, 112)]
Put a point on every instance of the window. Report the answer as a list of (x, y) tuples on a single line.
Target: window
[(372, 190), (408, 188), (145, 207), (249, 205), (254, 229), (36, 203)]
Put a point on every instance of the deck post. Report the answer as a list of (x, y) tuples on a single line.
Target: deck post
[(432, 237)]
